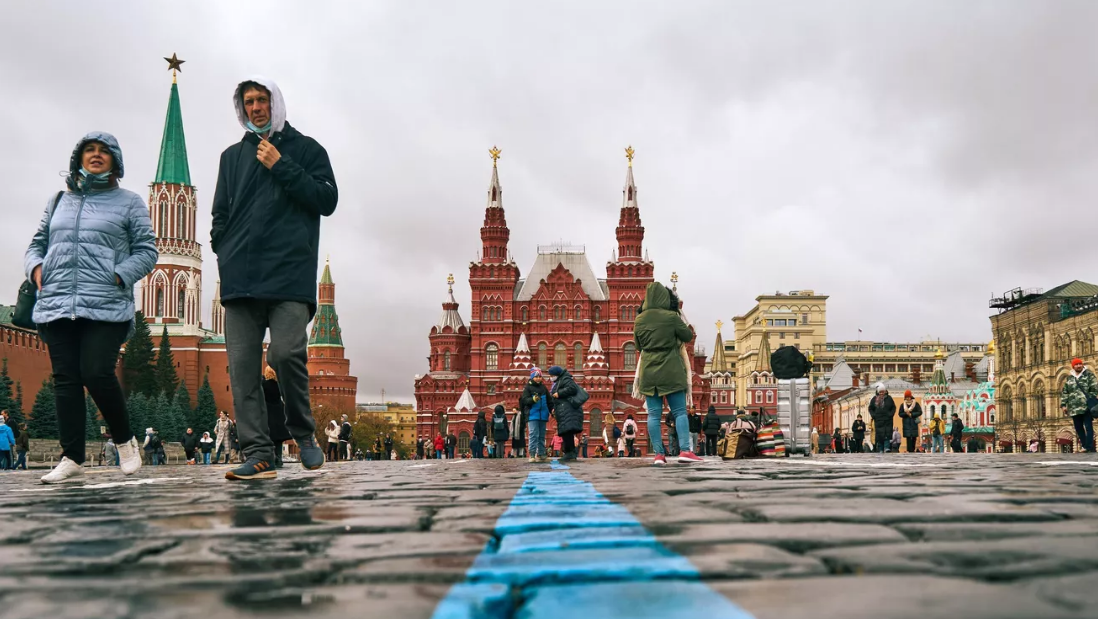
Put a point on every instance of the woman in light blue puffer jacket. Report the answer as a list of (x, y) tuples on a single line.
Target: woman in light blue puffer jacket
[(89, 251)]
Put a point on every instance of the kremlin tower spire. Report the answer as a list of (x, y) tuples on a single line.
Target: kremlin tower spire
[(330, 380), (450, 339), (630, 231), (171, 294), (495, 233)]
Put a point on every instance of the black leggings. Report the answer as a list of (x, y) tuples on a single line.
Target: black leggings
[(84, 353), (568, 442), (710, 444), (333, 452)]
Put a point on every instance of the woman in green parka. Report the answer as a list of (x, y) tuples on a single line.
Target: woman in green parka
[(659, 334)]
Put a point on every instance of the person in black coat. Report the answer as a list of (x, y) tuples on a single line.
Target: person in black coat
[(858, 430), (276, 414), (569, 415), (500, 431), (882, 408), (695, 423), (910, 411), (712, 429), (956, 433), (837, 440), (480, 432), (388, 443), (189, 441)]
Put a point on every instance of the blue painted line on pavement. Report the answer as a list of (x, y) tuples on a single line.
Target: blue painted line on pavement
[(561, 545)]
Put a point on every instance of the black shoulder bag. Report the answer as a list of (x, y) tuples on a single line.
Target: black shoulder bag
[(23, 316)]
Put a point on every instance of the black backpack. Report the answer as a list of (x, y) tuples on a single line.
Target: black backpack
[(788, 362), (499, 423)]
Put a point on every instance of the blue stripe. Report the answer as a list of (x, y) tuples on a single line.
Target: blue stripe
[(562, 546)]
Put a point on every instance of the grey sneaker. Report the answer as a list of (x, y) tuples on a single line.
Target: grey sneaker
[(254, 468), (312, 456)]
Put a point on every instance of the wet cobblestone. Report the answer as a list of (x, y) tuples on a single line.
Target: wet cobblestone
[(836, 536)]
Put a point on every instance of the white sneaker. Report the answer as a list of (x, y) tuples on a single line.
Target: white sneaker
[(129, 457), (65, 470)]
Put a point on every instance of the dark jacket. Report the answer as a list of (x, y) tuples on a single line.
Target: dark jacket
[(911, 421), (695, 423), (712, 423), (527, 404), (480, 427), (190, 441), (499, 419), (569, 416), (266, 223), (858, 429), (956, 432), (882, 415), (345, 431), (658, 333), (22, 442)]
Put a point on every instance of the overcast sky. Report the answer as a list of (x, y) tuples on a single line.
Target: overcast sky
[(906, 158)]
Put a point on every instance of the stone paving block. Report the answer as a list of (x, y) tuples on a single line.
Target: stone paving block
[(798, 537), (443, 569), (76, 558), (665, 599), (1000, 560), (969, 531), (558, 566), (657, 514), (716, 561), (352, 549), (886, 511), (887, 597), (1077, 592), (586, 538)]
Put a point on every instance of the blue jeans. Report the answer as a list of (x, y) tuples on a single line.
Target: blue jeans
[(476, 448), (21, 462), (677, 403), (205, 457), (537, 438), (938, 443)]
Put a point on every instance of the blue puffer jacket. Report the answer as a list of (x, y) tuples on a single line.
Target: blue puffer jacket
[(94, 235)]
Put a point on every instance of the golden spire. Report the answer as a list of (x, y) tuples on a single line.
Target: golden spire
[(719, 325), (629, 154), (450, 282), (328, 259), (494, 152), (991, 347), (939, 354)]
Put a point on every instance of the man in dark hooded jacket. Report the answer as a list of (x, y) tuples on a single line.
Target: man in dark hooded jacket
[(882, 408), (273, 186), (500, 431), (568, 412), (712, 429), (480, 432)]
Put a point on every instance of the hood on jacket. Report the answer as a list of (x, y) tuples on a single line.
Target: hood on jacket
[(278, 104), (656, 296), (117, 167), (499, 410), (480, 415)]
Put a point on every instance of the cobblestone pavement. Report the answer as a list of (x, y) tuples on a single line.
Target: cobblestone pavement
[(833, 536)]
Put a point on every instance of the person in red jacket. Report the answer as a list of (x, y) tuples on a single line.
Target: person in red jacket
[(440, 444)]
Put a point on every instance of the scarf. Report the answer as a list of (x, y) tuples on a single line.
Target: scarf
[(84, 181), (909, 407)]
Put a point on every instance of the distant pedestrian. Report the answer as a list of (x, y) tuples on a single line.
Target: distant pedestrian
[(537, 405), (558, 444), (896, 440), (451, 445), (110, 452), (711, 427), (567, 410), (224, 442), (94, 242), (837, 440), (1079, 398), (857, 432), (388, 445), (22, 446), (7, 446), (814, 439), (583, 445), (501, 432), (609, 424), (276, 414), (937, 434), (882, 408), (956, 434), (440, 446), (345, 433), (332, 434), (695, 423), (419, 448), (480, 434), (660, 333), (189, 441), (910, 412), (205, 445), (629, 431), (518, 433)]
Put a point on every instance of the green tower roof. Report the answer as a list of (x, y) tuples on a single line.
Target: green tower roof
[(326, 331), (173, 166)]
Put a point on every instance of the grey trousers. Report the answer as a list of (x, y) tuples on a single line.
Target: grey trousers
[(246, 323)]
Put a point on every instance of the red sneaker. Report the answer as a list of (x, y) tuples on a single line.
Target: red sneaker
[(686, 457), (660, 460)]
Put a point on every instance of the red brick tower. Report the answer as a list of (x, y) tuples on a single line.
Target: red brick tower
[(330, 382)]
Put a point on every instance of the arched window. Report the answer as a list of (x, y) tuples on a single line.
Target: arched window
[(597, 313), (179, 221), (463, 442), (446, 361), (525, 313), (499, 313), (163, 231), (541, 312), (1039, 410), (181, 302), (931, 410), (159, 300), (578, 312), (1007, 403), (578, 361), (491, 357), (484, 312), (596, 422), (630, 351), (1020, 407), (560, 355), (543, 355)]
